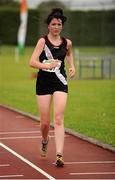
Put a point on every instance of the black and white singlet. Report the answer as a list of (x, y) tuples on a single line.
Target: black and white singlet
[(51, 80)]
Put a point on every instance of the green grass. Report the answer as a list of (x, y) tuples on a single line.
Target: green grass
[(90, 107), (93, 109)]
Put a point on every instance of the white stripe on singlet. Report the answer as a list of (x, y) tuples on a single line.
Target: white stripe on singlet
[(56, 70)]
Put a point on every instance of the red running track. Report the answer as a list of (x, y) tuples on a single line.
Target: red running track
[(19, 153)]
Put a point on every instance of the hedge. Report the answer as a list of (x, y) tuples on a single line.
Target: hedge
[(90, 28)]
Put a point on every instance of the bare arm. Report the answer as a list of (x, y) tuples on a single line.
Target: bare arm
[(34, 61), (69, 58)]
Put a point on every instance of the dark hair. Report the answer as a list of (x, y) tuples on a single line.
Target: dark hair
[(56, 13)]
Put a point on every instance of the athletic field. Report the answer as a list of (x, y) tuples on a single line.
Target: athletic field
[(90, 108)]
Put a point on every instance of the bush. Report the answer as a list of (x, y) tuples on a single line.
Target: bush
[(91, 28)]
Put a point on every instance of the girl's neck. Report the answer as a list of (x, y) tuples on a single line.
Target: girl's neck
[(54, 38)]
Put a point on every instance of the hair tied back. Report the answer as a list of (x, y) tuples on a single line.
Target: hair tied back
[(56, 13)]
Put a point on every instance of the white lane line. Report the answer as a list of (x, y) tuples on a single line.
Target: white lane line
[(4, 165), (21, 132), (93, 173), (19, 117), (26, 137), (27, 162), (90, 162), (14, 175), (23, 137)]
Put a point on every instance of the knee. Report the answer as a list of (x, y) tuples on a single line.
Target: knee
[(58, 119), (44, 121), (45, 124)]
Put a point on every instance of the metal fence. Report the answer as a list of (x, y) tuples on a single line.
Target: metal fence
[(96, 67)]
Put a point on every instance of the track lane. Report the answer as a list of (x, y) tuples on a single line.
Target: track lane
[(82, 159)]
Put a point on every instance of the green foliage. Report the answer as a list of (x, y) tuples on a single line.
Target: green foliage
[(33, 27), (8, 4), (47, 6), (9, 20), (91, 28)]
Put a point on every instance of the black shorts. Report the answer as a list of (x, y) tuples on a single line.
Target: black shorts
[(48, 83)]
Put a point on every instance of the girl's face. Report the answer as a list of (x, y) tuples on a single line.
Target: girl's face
[(55, 26)]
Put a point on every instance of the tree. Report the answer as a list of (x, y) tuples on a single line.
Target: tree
[(8, 3), (2, 2), (46, 6)]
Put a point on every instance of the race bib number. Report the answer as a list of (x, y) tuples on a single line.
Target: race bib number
[(53, 69)]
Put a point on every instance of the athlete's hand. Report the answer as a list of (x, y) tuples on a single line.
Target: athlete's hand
[(54, 63), (71, 72)]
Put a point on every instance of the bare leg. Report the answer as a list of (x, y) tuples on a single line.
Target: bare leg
[(44, 102), (60, 99)]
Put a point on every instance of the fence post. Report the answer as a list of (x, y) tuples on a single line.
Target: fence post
[(110, 61), (80, 68), (102, 73)]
